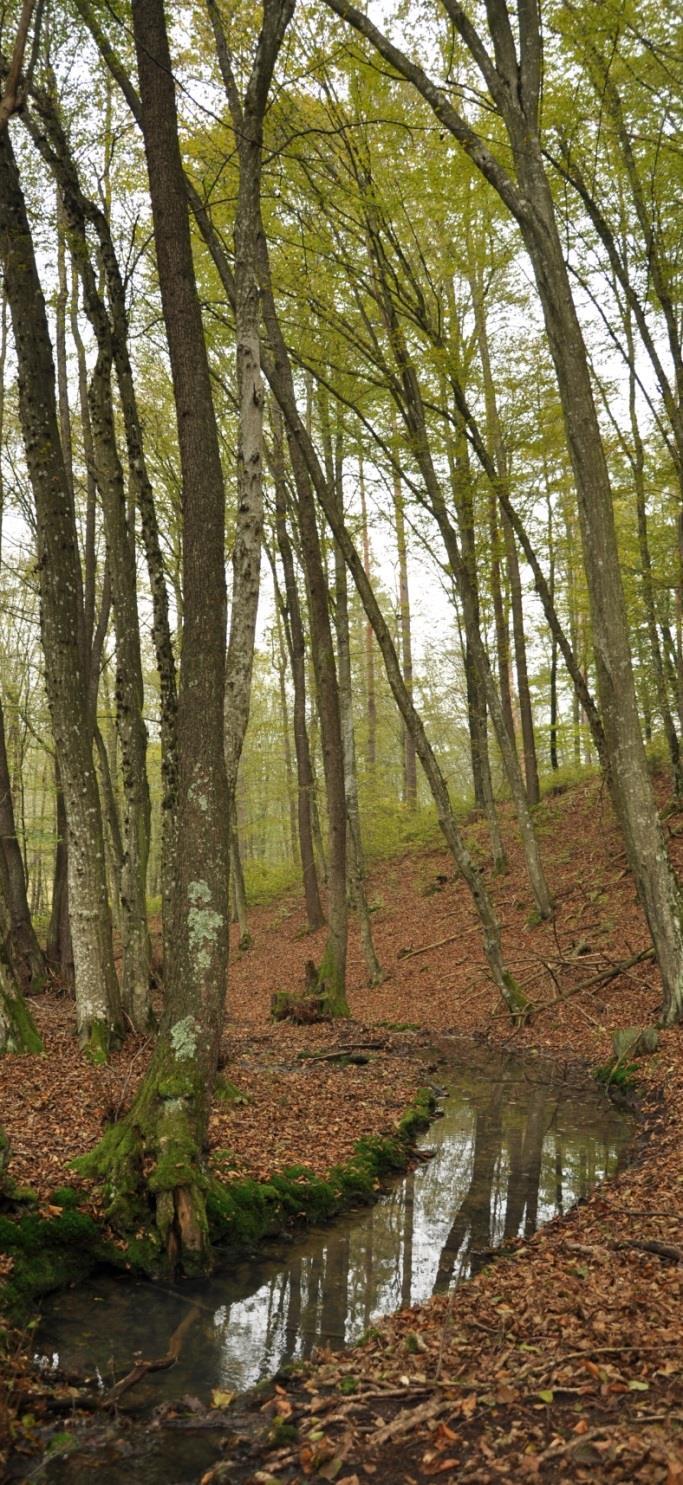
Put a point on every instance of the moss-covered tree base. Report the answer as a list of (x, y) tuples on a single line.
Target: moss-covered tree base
[(151, 1169), (18, 1031), (98, 1039), (519, 1007), (323, 997)]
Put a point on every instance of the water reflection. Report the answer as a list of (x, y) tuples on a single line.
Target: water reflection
[(518, 1143)]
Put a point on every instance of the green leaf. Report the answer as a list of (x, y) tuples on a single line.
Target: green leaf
[(635, 1385), (547, 1397)]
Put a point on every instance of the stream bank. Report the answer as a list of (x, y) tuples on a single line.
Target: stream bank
[(520, 1140)]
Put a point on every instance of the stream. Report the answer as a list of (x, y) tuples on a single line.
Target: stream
[(520, 1140)]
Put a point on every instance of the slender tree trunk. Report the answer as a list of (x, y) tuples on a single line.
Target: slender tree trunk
[(406, 632), (297, 647), (59, 951), (237, 882), (332, 970), (476, 689), (370, 689), (523, 691), (132, 733), (554, 718), (281, 666), (26, 954), (499, 455), (17, 1029), (341, 617)]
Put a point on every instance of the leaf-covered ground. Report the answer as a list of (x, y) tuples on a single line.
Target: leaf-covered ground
[(565, 1362)]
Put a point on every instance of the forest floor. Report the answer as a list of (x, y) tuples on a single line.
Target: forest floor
[(564, 1362)]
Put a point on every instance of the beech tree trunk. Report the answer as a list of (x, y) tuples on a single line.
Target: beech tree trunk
[(332, 968), (163, 1135), (297, 654), (356, 861), (405, 624), (62, 622), (27, 956), (370, 690)]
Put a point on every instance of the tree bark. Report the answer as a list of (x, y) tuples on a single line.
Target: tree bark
[(165, 1129), (97, 995), (27, 956), (297, 652)]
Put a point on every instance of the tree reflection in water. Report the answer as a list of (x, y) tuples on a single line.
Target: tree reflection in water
[(518, 1142)]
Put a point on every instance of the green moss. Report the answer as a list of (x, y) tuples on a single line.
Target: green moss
[(227, 1092), (65, 1196), (47, 1254), (96, 1043), (23, 1034), (243, 1212)]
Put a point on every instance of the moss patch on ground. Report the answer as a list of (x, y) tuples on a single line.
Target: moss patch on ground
[(43, 1253), (242, 1212)]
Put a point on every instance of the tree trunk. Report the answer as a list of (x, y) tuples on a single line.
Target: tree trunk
[(370, 692), (132, 733), (523, 691), (357, 893), (332, 970), (297, 650), (163, 1135), (476, 689), (405, 625), (500, 460), (97, 995), (281, 666), (27, 956)]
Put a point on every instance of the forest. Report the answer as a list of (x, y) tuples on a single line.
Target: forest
[(341, 717)]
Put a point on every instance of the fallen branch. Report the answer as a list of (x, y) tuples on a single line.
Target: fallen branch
[(407, 1420), (661, 1250), (160, 1364), (602, 978), (340, 1052)]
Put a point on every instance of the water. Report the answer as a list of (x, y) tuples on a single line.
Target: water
[(520, 1140)]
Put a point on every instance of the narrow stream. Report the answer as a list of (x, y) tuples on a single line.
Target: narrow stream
[(520, 1140)]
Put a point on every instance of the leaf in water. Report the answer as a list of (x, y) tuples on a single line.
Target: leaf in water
[(220, 1399)]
